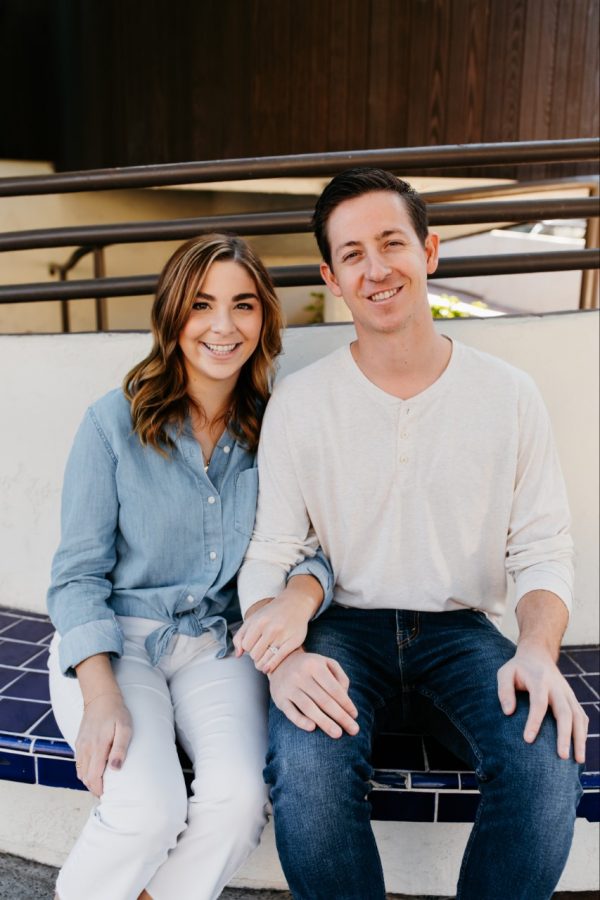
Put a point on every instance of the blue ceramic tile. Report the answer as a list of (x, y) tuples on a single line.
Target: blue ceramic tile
[(398, 751), (48, 727), (590, 781), (567, 666), (7, 675), (457, 807), (581, 690), (14, 653), (40, 662), (390, 779), (29, 630), (593, 681), (439, 780), (30, 686), (53, 748), (468, 781), (58, 773), (588, 660), (592, 755), (20, 715), (5, 621), (589, 807), (442, 760), (17, 767), (593, 712), (15, 742), (402, 806)]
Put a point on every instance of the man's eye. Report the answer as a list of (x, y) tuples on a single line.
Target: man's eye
[(348, 257)]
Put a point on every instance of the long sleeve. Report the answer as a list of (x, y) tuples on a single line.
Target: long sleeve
[(80, 583), (539, 547), (283, 536)]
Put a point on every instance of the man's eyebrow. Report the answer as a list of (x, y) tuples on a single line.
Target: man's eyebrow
[(235, 299), (389, 232), (378, 237)]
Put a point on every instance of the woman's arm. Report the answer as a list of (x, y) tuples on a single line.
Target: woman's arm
[(105, 730), (277, 626)]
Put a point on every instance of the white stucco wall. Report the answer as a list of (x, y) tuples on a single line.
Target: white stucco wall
[(48, 380)]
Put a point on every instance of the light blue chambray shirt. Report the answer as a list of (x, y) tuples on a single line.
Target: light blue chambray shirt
[(146, 536)]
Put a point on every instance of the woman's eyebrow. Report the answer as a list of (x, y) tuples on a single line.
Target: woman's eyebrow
[(236, 297)]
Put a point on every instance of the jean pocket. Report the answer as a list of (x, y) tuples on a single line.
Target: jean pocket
[(246, 493)]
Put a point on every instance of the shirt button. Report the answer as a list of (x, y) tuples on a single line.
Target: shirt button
[(227, 449), (404, 434), (212, 555), (404, 459), (211, 500), (189, 598)]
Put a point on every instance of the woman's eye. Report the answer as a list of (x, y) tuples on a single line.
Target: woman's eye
[(244, 306), (200, 304)]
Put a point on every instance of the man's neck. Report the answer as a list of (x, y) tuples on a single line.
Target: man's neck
[(404, 363)]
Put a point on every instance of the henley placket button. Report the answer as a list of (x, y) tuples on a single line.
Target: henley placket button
[(212, 555), (211, 500)]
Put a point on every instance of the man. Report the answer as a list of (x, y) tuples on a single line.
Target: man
[(427, 471)]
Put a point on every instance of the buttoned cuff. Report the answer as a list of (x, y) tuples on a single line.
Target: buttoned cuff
[(83, 641)]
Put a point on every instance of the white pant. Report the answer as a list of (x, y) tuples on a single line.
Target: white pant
[(144, 833)]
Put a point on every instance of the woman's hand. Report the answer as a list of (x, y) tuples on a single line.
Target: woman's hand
[(103, 738), (275, 628)]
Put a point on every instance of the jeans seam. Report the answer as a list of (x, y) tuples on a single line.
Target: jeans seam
[(457, 724)]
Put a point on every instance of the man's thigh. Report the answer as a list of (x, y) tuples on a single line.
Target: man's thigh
[(454, 672)]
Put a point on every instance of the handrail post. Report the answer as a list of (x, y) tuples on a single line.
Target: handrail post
[(100, 302), (588, 297)]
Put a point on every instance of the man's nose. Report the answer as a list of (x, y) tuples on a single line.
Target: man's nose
[(377, 269)]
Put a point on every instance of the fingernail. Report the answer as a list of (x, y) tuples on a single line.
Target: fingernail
[(116, 764), (529, 736)]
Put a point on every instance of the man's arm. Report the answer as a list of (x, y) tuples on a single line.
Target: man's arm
[(542, 618), (310, 689)]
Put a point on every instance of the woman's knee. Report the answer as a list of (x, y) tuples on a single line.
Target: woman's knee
[(156, 819)]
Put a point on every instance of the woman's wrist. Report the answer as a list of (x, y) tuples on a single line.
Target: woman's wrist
[(116, 693)]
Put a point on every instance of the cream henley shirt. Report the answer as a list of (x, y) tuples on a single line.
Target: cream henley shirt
[(421, 504)]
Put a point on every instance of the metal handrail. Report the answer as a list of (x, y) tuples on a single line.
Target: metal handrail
[(291, 276), (306, 165), (288, 223)]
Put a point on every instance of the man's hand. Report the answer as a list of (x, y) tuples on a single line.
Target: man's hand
[(533, 669), (103, 738), (312, 691), (542, 618), (275, 628)]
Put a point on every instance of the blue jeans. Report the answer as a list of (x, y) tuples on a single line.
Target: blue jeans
[(442, 668)]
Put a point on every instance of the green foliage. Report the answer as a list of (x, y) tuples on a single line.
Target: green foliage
[(316, 308), (449, 309)]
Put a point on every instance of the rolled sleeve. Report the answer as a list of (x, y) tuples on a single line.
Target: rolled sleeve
[(101, 636), (320, 568)]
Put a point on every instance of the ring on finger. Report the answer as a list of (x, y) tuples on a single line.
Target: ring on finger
[(273, 649)]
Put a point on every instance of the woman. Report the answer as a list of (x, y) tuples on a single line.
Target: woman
[(158, 507)]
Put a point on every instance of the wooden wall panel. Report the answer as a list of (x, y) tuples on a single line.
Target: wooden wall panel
[(171, 80)]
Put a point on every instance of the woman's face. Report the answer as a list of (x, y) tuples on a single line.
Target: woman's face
[(224, 325)]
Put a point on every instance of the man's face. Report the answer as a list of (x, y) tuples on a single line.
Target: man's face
[(378, 264)]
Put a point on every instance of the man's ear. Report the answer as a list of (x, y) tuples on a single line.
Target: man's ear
[(432, 250), (330, 279)]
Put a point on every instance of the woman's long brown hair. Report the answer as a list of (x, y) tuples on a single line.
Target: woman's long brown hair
[(157, 386)]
